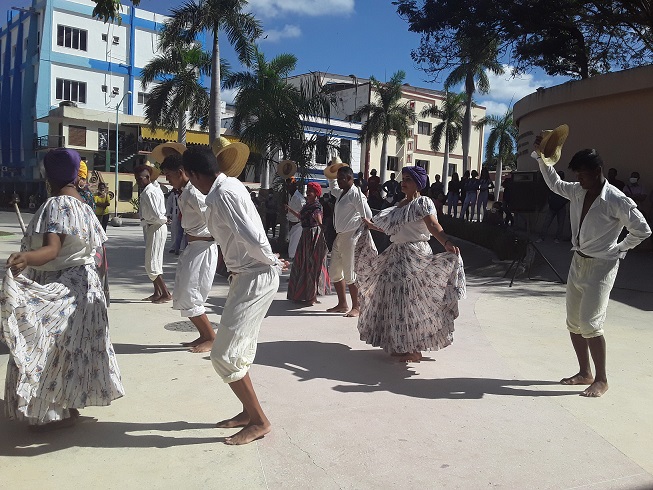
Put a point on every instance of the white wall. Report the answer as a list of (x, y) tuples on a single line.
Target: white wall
[(146, 47)]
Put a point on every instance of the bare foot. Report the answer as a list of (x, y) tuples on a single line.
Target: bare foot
[(353, 313), (240, 420), (205, 346), (596, 389), (578, 379), (195, 342), (339, 309), (410, 357), (162, 299), (249, 433), (151, 298)]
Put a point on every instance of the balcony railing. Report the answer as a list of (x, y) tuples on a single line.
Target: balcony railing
[(49, 141)]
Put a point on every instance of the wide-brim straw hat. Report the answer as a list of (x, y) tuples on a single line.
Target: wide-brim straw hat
[(331, 172), (551, 145), (232, 158), (160, 152), (219, 143), (154, 170), (286, 169)]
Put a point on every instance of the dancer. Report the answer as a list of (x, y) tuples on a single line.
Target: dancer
[(234, 222), (599, 212), (309, 276), (153, 220), (197, 263), (409, 296), (54, 317), (350, 209)]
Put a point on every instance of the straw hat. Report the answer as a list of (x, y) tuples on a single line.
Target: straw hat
[(154, 170), (331, 172), (286, 169), (551, 144), (232, 158), (160, 152), (219, 143)]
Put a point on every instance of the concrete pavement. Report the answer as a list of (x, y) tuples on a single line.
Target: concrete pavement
[(484, 412)]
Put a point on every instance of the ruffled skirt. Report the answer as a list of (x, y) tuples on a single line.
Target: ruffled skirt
[(57, 329), (408, 296), (309, 276)]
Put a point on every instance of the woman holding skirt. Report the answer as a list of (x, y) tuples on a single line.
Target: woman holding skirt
[(54, 314), (409, 296), (309, 276)]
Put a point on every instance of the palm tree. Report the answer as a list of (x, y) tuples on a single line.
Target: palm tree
[(192, 19), (386, 114), (177, 73), (478, 56), (450, 129), (500, 143)]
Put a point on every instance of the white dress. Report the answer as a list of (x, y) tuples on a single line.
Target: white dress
[(55, 322)]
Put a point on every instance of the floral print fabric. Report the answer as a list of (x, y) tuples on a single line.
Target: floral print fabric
[(408, 296)]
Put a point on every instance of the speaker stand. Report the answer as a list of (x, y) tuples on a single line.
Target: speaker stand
[(529, 250)]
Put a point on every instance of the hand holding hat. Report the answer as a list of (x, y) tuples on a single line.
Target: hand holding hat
[(286, 169), (331, 172), (548, 146)]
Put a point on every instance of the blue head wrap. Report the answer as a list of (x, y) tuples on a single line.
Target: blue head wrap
[(417, 174)]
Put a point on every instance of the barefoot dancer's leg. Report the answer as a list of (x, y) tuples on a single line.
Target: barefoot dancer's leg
[(600, 384), (355, 308), (207, 335), (584, 376), (342, 306), (160, 288), (258, 424)]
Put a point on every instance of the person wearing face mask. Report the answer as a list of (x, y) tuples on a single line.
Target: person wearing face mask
[(635, 190)]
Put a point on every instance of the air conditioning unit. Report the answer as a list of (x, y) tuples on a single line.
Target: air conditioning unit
[(105, 89), (115, 91), (116, 39)]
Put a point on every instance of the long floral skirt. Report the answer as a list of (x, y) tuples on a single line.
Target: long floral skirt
[(57, 330), (408, 296), (309, 276)]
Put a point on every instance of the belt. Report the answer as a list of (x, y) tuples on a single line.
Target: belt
[(192, 238), (583, 255)]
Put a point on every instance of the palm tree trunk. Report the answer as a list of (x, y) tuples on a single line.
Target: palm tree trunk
[(181, 128), (215, 112), (497, 177), (384, 159), (445, 166), (466, 137)]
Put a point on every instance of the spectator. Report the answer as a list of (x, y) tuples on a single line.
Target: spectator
[(374, 185), (271, 213), (484, 186), (453, 195), (612, 179), (437, 187), (391, 189), (471, 193)]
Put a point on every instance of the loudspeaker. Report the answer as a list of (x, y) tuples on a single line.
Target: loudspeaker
[(527, 192)]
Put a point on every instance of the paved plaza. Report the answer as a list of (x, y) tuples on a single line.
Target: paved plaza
[(486, 412)]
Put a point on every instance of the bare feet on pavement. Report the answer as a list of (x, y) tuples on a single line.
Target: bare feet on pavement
[(596, 389), (162, 299), (204, 346), (353, 313), (249, 433), (339, 309), (240, 420), (151, 298), (578, 379), (195, 342)]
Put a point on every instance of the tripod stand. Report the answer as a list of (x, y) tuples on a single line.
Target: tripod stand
[(529, 250)]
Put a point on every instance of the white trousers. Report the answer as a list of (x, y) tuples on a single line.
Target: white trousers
[(588, 290), (155, 243), (342, 258), (250, 296), (194, 277), (294, 235)]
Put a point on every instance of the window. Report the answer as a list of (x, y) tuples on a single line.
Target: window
[(424, 164), (345, 150), (423, 127), (409, 158), (143, 97), (71, 90), (71, 37), (321, 150), (452, 168), (77, 136), (125, 191), (393, 164), (410, 146)]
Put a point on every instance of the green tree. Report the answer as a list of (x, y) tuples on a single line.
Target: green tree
[(385, 114), (478, 56), (501, 142), (192, 19), (176, 73), (449, 130)]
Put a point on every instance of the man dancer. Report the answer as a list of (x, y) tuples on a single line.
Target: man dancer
[(197, 263), (350, 209), (234, 222), (598, 213), (152, 209)]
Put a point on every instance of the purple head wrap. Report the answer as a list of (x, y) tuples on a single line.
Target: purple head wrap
[(418, 174), (62, 165)]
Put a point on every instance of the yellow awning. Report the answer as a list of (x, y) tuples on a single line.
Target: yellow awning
[(195, 137)]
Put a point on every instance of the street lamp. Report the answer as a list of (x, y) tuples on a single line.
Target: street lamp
[(115, 196)]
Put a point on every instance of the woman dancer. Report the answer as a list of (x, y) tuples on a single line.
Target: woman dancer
[(453, 195), (409, 297), (54, 315), (484, 186), (309, 276)]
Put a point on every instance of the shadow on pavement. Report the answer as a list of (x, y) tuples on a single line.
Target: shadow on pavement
[(146, 349), (369, 371)]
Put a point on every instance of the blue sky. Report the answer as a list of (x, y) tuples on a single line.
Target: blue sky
[(360, 37)]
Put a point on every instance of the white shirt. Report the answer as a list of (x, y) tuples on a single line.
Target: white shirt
[(296, 203), (193, 210), (351, 207), (172, 207), (233, 221), (152, 205), (610, 212)]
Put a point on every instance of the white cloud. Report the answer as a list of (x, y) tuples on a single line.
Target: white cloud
[(494, 108), (506, 88), (274, 35), (228, 95), (274, 8)]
